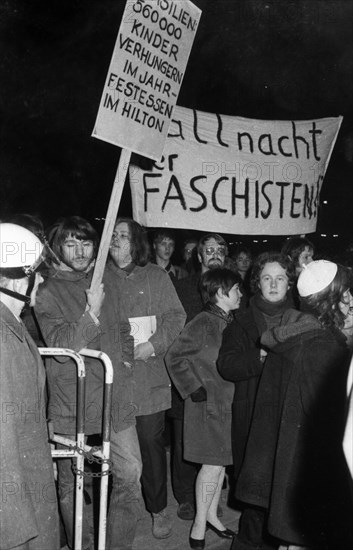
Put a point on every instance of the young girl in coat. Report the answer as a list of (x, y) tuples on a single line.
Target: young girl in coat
[(191, 363)]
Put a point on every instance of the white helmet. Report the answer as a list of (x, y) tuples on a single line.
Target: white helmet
[(20, 251)]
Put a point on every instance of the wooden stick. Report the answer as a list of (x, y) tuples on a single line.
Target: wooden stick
[(110, 218)]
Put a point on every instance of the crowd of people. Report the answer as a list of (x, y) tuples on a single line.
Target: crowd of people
[(242, 359)]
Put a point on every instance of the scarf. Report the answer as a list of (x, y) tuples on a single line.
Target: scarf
[(269, 314), (219, 312)]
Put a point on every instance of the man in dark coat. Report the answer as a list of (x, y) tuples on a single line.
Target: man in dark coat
[(241, 360), (28, 507)]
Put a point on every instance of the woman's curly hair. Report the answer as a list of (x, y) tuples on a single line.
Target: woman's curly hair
[(326, 302)]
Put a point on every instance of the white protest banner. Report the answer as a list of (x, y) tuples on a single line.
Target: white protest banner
[(145, 74), (236, 175)]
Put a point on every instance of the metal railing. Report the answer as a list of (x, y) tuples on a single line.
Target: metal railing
[(78, 449)]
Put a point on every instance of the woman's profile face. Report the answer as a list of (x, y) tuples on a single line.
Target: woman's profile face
[(273, 282), (305, 258)]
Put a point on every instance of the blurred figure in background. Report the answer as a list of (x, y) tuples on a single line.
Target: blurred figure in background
[(190, 263), (164, 246), (242, 257), (300, 251)]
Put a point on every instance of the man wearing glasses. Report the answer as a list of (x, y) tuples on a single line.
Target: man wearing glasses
[(211, 252)]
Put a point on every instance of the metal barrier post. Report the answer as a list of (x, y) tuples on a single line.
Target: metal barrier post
[(80, 438), (102, 454), (108, 392)]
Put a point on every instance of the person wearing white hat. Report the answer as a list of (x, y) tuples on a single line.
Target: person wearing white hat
[(308, 484), (28, 508)]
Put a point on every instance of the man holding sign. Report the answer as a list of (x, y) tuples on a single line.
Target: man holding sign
[(71, 316)]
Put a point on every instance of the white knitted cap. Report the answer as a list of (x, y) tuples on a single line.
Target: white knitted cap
[(316, 276)]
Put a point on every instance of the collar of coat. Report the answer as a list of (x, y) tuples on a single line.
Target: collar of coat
[(8, 322)]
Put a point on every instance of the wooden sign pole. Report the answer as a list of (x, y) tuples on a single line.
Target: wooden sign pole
[(110, 218)]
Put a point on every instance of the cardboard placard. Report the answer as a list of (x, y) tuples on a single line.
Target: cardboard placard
[(145, 74)]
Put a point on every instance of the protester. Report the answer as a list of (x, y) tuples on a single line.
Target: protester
[(191, 363), (302, 479), (72, 316), (300, 251), (190, 263), (212, 251), (241, 360), (164, 246), (242, 257), (156, 317), (184, 472), (28, 509)]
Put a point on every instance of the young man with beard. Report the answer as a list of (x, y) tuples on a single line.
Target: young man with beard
[(72, 316)]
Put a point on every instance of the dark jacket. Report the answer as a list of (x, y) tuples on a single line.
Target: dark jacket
[(148, 291), (189, 295), (28, 506), (239, 361), (61, 313), (191, 363), (294, 464)]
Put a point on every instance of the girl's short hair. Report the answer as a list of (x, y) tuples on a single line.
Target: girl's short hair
[(266, 258), (72, 226), (215, 279), (140, 249), (326, 302)]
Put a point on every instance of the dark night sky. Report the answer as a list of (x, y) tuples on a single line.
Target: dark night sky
[(253, 58)]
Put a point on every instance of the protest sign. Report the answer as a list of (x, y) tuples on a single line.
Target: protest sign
[(236, 175), (145, 74), (141, 89)]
